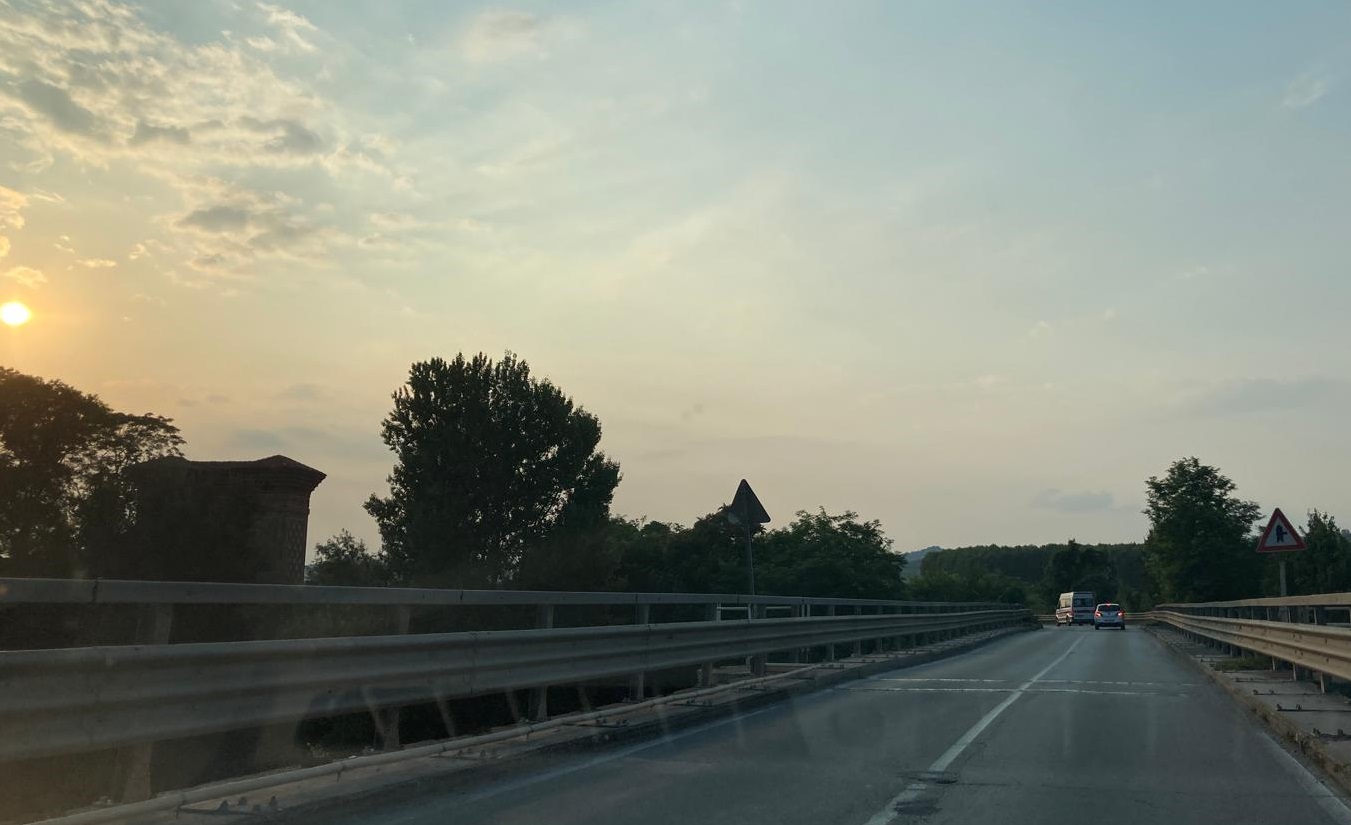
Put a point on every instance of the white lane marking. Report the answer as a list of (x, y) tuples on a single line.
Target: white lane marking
[(921, 680), (912, 791), (1077, 691), (1330, 802)]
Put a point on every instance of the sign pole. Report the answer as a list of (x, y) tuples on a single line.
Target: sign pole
[(750, 559), (1281, 537), (747, 510)]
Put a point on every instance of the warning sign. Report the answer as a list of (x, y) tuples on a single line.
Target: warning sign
[(1280, 536)]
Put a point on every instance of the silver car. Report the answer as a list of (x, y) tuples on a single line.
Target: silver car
[(1109, 614)]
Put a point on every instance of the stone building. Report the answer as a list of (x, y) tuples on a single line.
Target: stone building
[(239, 521)]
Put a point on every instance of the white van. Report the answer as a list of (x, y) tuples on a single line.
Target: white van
[(1076, 607)]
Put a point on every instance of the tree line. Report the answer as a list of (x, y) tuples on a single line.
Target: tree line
[(498, 482), (1200, 546)]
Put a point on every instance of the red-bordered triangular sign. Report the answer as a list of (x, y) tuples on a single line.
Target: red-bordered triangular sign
[(1280, 536)]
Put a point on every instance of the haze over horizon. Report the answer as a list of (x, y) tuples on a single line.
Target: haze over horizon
[(976, 272)]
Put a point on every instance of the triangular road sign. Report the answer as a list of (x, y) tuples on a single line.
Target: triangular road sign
[(746, 505), (1280, 536)]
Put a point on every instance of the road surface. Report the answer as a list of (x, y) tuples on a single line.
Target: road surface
[(1059, 725)]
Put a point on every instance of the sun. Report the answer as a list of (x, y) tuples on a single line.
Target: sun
[(15, 314)]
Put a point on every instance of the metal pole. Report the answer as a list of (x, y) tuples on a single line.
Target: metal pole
[(1284, 591), (750, 559)]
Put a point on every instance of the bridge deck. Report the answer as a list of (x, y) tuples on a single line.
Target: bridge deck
[(1061, 725)]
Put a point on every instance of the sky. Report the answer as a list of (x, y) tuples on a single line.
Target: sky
[(976, 270)]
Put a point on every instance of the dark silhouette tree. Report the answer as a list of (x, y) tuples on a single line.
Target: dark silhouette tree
[(346, 560), (491, 464), (1199, 546), (64, 497)]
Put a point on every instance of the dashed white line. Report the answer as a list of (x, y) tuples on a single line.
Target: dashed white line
[(912, 791)]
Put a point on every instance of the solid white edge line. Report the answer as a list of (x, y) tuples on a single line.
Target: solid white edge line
[(1330, 802), (911, 793)]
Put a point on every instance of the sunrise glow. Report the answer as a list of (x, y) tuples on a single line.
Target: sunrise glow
[(14, 314)]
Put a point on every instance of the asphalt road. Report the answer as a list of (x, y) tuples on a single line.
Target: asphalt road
[(1060, 725)]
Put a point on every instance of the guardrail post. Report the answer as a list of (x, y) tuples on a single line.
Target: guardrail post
[(154, 624), (539, 697), (830, 649), (758, 661), (706, 669), (795, 655), (638, 682), (387, 719)]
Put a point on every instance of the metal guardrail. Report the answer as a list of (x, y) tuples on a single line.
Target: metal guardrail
[(64, 701), (1293, 629), (109, 591), (60, 701)]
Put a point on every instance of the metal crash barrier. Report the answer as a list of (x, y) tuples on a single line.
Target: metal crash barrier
[(61, 701), (1309, 632)]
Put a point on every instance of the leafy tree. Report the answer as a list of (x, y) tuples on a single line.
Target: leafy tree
[(707, 557), (1199, 547), (823, 555), (1324, 566), (345, 560), (582, 560), (64, 497), (971, 586), (1079, 567), (1027, 566), (491, 463)]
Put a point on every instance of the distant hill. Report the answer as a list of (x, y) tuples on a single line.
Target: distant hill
[(914, 559)]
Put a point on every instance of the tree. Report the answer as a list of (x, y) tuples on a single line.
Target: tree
[(490, 464), (345, 560), (1324, 566), (1199, 547), (823, 555), (1079, 567), (64, 498), (969, 586)]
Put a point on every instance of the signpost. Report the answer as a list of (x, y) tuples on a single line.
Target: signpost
[(747, 511), (1280, 537)]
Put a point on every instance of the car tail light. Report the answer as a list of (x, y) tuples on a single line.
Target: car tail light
[(1097, 614)]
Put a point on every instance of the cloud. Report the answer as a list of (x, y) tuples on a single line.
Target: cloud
[(56, 105), (394, 221), (209, 262), (147, 248), (4, 246), (377, 242), (496, 35), (1259, 395), (11, 208), (1039, 330), (96, 263), (1305, 90), (27, 276), (290, 25), (1109, 314), (1080, 502), (147, 133), (285, 136), (216, 219)]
